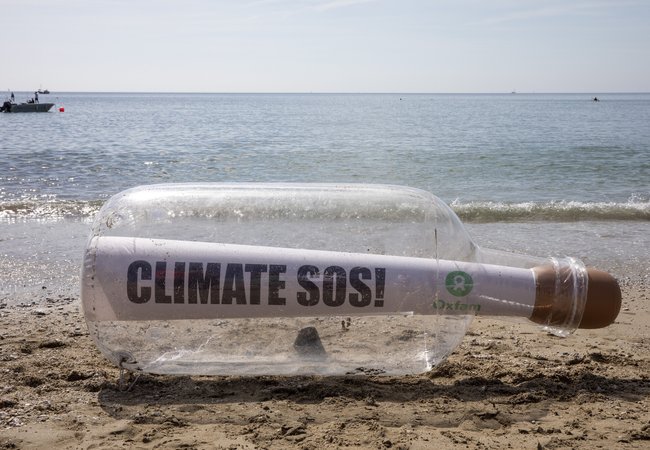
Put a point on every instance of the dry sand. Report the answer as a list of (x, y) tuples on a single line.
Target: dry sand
[(508, 385)]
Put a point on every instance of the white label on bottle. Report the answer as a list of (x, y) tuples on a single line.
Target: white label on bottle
[(128, 278)]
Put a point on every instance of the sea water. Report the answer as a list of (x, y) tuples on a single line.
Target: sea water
[(541, 174)]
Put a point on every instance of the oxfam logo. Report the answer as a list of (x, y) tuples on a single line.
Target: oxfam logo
[(459, 283)]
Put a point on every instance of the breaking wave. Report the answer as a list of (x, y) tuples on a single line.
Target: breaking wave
[(635, 209), (49, 210), (554, 211)]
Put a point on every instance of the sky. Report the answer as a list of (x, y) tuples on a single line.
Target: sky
[(437, 46)]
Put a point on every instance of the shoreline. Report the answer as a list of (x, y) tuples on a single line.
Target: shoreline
[(507, 384)]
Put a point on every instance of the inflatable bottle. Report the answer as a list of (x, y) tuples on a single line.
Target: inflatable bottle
[(251, 279)]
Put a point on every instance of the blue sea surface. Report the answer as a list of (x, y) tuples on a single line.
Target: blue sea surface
[(543, 174)]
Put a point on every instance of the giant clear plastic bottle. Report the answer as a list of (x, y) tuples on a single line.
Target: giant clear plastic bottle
[(144, 312)]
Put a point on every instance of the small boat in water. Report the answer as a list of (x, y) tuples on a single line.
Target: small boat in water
[(25, 107), (10, 107), (31, 105)]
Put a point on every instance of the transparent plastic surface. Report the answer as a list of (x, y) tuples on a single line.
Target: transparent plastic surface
[(359, 219), (566, 296)]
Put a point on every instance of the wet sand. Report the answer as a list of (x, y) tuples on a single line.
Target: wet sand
[(509, 385)]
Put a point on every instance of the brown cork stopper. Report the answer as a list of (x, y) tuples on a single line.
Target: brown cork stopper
[(603, 300), (554, 297)]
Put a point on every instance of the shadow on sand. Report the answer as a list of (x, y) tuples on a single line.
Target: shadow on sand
[(522, 397)]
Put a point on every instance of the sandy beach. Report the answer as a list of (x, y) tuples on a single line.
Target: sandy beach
[(508, 385)]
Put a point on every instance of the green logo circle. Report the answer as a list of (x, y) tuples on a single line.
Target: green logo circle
[(459, 283)]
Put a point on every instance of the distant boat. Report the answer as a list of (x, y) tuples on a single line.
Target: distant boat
[(9, 107), (41, 91)]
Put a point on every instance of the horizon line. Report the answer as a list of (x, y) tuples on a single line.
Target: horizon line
[(514, 92)]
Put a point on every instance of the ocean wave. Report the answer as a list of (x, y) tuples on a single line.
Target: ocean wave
[(49, 210), (554, 211), (474, 211)]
